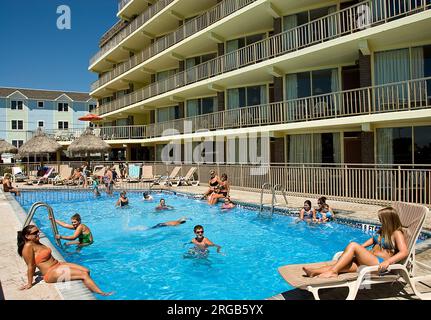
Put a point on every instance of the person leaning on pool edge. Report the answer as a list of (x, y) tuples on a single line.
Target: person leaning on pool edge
[(82, 232), (36, 254)]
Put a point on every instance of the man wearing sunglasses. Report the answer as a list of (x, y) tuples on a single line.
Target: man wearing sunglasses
[(201, 243)]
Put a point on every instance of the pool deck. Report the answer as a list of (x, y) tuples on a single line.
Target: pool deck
[(13, 269)]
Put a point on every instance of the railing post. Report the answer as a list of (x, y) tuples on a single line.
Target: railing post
[(399, 183), (408, 96), (303, 179)]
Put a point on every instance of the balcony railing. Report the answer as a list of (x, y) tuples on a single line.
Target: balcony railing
[(399, 96), (324, 29), (218, 12), (134, 25), (122, 4)]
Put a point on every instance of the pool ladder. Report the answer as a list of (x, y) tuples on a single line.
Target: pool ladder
[(31, 213), (273, 199)]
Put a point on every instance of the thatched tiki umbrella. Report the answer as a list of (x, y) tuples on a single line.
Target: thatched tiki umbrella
[(88, 143), (6, 147), (40, 143)]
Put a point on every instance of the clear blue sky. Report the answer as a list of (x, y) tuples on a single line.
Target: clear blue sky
[(34, 53)]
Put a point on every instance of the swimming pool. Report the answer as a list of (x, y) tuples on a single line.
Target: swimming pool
[(150, 264)]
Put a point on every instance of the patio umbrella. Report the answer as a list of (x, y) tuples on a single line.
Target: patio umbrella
[(6, 147), (90, 117), (88, 143), (40, 143)]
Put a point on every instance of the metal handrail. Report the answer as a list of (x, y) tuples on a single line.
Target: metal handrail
[(51, 216), (283, 192), (267, 184)]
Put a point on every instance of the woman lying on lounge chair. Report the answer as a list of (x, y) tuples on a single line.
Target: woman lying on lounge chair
[(389, 247)]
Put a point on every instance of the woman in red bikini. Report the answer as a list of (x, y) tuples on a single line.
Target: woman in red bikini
[(37, 255)]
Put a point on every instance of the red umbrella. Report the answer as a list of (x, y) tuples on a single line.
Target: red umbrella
[(90, 117)]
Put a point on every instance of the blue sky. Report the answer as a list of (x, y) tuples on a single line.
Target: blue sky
[(34, 53)]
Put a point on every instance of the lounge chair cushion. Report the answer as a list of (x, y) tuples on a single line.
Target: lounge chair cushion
[(296, 277)]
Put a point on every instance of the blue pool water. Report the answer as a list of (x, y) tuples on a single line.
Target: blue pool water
[(149, 264)]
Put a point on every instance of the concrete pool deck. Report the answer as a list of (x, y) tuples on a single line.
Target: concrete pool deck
[(13, 268)]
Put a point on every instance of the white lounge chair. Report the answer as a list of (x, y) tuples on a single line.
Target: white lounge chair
[(44, 178), (412, 218), (65, 172), (18, 175), (147, 174), (187, 180), (166, 180)]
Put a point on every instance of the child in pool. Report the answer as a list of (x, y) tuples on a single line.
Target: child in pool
[(324, 215), (228, 204), (163, 205), (147, 197), (201, 243), (82, 232)]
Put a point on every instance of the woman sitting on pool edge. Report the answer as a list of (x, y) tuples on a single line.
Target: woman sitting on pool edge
[(123, 200), (389, 247), (163, 206), (82, 232), (38, 255)]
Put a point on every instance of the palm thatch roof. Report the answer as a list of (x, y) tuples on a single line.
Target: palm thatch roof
[(88, 143), (6, 147), (39, 144)]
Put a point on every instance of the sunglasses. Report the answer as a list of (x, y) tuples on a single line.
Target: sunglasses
[(199, 232), (34, 233)]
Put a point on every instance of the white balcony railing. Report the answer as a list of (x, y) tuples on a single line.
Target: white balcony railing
[(122, 4), (134, 25), (399, 96), (324, 29), (192, 26)]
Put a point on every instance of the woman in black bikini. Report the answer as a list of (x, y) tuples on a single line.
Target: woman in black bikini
[(123, 200), (213, 183), (223, 190)]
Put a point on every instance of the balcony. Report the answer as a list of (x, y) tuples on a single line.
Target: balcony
[(122, 4), (336, 25), (394, 97), (134, 25), (218, 12)]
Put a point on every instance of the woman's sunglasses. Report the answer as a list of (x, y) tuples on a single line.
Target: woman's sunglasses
[(34, 233)]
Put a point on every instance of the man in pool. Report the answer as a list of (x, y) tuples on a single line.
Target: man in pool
[(163, 205), (201, 243), (173, 223), (147, 196), (82, 232)]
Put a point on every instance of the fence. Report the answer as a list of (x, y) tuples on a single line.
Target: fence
[(362, 183)]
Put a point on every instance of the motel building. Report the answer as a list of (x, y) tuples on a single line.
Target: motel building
[(316, 84)]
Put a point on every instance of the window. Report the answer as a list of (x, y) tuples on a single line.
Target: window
[(17, 143), (314, 148), (63, 107), (201, 106), (40, 124), (17, 124), (40, 104), (249, 96), (16, 105), (168, 113), (63, 125), (91, 107)]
